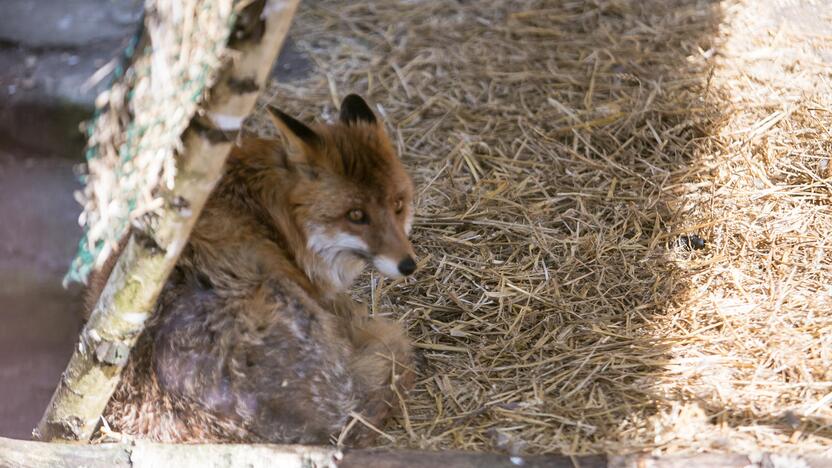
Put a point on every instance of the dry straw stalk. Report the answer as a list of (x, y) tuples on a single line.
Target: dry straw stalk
[(560, 149)]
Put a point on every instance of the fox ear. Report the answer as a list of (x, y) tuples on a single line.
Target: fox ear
[(354, 109), (301, 140)]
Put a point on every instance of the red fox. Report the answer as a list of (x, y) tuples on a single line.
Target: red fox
[(255, 338)]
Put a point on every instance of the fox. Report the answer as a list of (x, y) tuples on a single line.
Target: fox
[(255, 337)]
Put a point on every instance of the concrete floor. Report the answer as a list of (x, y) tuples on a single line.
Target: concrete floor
[(40, 319)]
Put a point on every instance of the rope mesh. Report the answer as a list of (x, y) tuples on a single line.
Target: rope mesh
[(163, 75)]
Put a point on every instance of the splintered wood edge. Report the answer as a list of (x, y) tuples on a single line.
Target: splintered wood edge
[(142, 269)]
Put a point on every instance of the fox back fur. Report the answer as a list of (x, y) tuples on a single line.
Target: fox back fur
[(255, 338)]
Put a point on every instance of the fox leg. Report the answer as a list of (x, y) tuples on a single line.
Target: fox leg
[(382, 363), (348, 310)]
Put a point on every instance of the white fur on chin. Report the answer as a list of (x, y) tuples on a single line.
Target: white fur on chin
[(387, 267), (337, 262)]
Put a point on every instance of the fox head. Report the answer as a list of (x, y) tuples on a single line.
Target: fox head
[(352, 198)]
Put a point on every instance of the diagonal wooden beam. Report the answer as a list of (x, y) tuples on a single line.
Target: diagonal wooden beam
[(128, 299)]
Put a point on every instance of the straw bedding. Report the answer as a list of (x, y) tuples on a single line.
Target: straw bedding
[(561, 148)]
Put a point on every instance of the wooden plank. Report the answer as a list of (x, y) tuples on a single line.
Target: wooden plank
[(20, 453), (23, 453), (27, 454), (718, 460), (130, 295), (459, 459)]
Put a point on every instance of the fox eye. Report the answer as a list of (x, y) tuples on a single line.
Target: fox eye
[(399, 206), (357, 216)]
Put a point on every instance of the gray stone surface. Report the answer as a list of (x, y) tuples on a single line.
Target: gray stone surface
[(40, 319), (40, 216), (55, 76), (48, 50), (41, 100), (43, 70), (65, 24)]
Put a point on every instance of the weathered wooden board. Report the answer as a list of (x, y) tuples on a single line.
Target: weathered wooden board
[(20, 453)]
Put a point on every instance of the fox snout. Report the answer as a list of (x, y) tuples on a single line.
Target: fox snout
[(407, 266), (393, 254), (392, 268)]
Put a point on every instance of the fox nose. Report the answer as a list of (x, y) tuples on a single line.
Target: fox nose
[(407, 266)]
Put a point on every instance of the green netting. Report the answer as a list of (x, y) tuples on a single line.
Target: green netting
[(160, 80)]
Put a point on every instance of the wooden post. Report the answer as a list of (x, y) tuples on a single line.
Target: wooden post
[(129, 298)]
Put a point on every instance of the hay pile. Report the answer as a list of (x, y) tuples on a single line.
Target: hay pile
[(561, 149), (159, 84)]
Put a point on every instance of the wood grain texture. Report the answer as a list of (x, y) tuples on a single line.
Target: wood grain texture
[(19, 453)]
